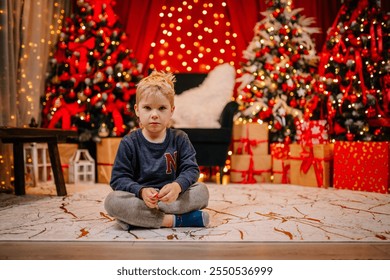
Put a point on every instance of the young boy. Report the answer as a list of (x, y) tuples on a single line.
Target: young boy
[(155, 173)]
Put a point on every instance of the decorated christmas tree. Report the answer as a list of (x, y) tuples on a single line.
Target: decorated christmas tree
[(354, 73), (277, 76), (91, 82)]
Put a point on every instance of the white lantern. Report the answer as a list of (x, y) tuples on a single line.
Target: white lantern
[(81, 167)]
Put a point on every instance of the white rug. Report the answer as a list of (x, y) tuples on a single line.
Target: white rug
[(261, 212)]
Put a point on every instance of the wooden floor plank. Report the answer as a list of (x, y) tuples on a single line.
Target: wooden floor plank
[(35, 250)]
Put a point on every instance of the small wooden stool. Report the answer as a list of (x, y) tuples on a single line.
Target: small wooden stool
[(18, 136)]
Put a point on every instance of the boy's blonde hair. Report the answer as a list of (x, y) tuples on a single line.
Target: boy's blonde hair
[(157, 82)]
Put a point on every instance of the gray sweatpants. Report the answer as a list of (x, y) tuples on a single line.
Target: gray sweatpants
[(129, 209)]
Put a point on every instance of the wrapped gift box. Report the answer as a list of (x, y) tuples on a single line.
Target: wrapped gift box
[(280, 153), (66, 151), (281, 171), (105, 156), (362, 166), (312, 132), (311, 165), (250, 138), (247, 169)]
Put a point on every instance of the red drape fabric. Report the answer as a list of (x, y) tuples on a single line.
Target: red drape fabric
[(243, 16), (141, 21)]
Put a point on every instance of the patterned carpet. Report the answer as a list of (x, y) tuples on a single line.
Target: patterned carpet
[(261, 212)]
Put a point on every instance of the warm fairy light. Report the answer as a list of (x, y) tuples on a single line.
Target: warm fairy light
[(205, 26)]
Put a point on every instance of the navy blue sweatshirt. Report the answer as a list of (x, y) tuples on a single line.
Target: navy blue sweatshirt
[(140, 163)]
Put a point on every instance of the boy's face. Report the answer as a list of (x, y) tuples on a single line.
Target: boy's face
[(154, 112)]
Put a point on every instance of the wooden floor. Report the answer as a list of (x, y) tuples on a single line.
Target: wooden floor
[(34, 250)]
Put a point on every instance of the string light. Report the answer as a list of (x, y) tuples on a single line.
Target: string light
[(213, 40)]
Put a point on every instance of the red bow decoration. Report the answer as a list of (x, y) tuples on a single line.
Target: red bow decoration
[(65, 112), (308, 159), (98, 10), (83, 48)]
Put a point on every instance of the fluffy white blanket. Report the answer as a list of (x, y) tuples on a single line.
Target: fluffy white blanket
[(201, 107)]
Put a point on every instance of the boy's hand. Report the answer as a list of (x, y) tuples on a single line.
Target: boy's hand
[(169, 193), (150, 197)]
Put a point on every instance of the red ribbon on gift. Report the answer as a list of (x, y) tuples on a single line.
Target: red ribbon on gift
[(308, 159), (284, 172), (105, 164), (247, 143), (248, 175)]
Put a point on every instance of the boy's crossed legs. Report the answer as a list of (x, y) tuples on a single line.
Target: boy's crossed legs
[(184, 212)]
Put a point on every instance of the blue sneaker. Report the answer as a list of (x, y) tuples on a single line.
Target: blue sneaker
[(195, 218)]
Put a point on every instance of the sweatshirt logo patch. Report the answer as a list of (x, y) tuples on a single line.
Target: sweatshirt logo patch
[(170, 162)]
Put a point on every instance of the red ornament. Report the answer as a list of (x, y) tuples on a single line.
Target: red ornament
[(365, 52), (62, 45), (370, 68), (110, 79), (109, 62), (259, 94), (277, 125), (87, 91), (295, 57), (110, 98), (350, 136), (338, 129), (265, 114), (95, 99), (96, 54), (371, 112), (72, 94), (123, 37), (352, 98), (271, 102), (293, 103)]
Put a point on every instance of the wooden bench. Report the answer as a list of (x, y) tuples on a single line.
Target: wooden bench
[(18, 136)]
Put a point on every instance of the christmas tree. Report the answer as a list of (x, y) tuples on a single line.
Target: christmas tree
[(91, 82), (277, 76), (354, 71)]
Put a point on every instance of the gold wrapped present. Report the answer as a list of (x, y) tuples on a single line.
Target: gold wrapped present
[(66, 151), (250, 138), (105, 153), (247, 169), (311, 165)]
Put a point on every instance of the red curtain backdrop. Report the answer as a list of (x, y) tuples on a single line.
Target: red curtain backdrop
[(143, 26)]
